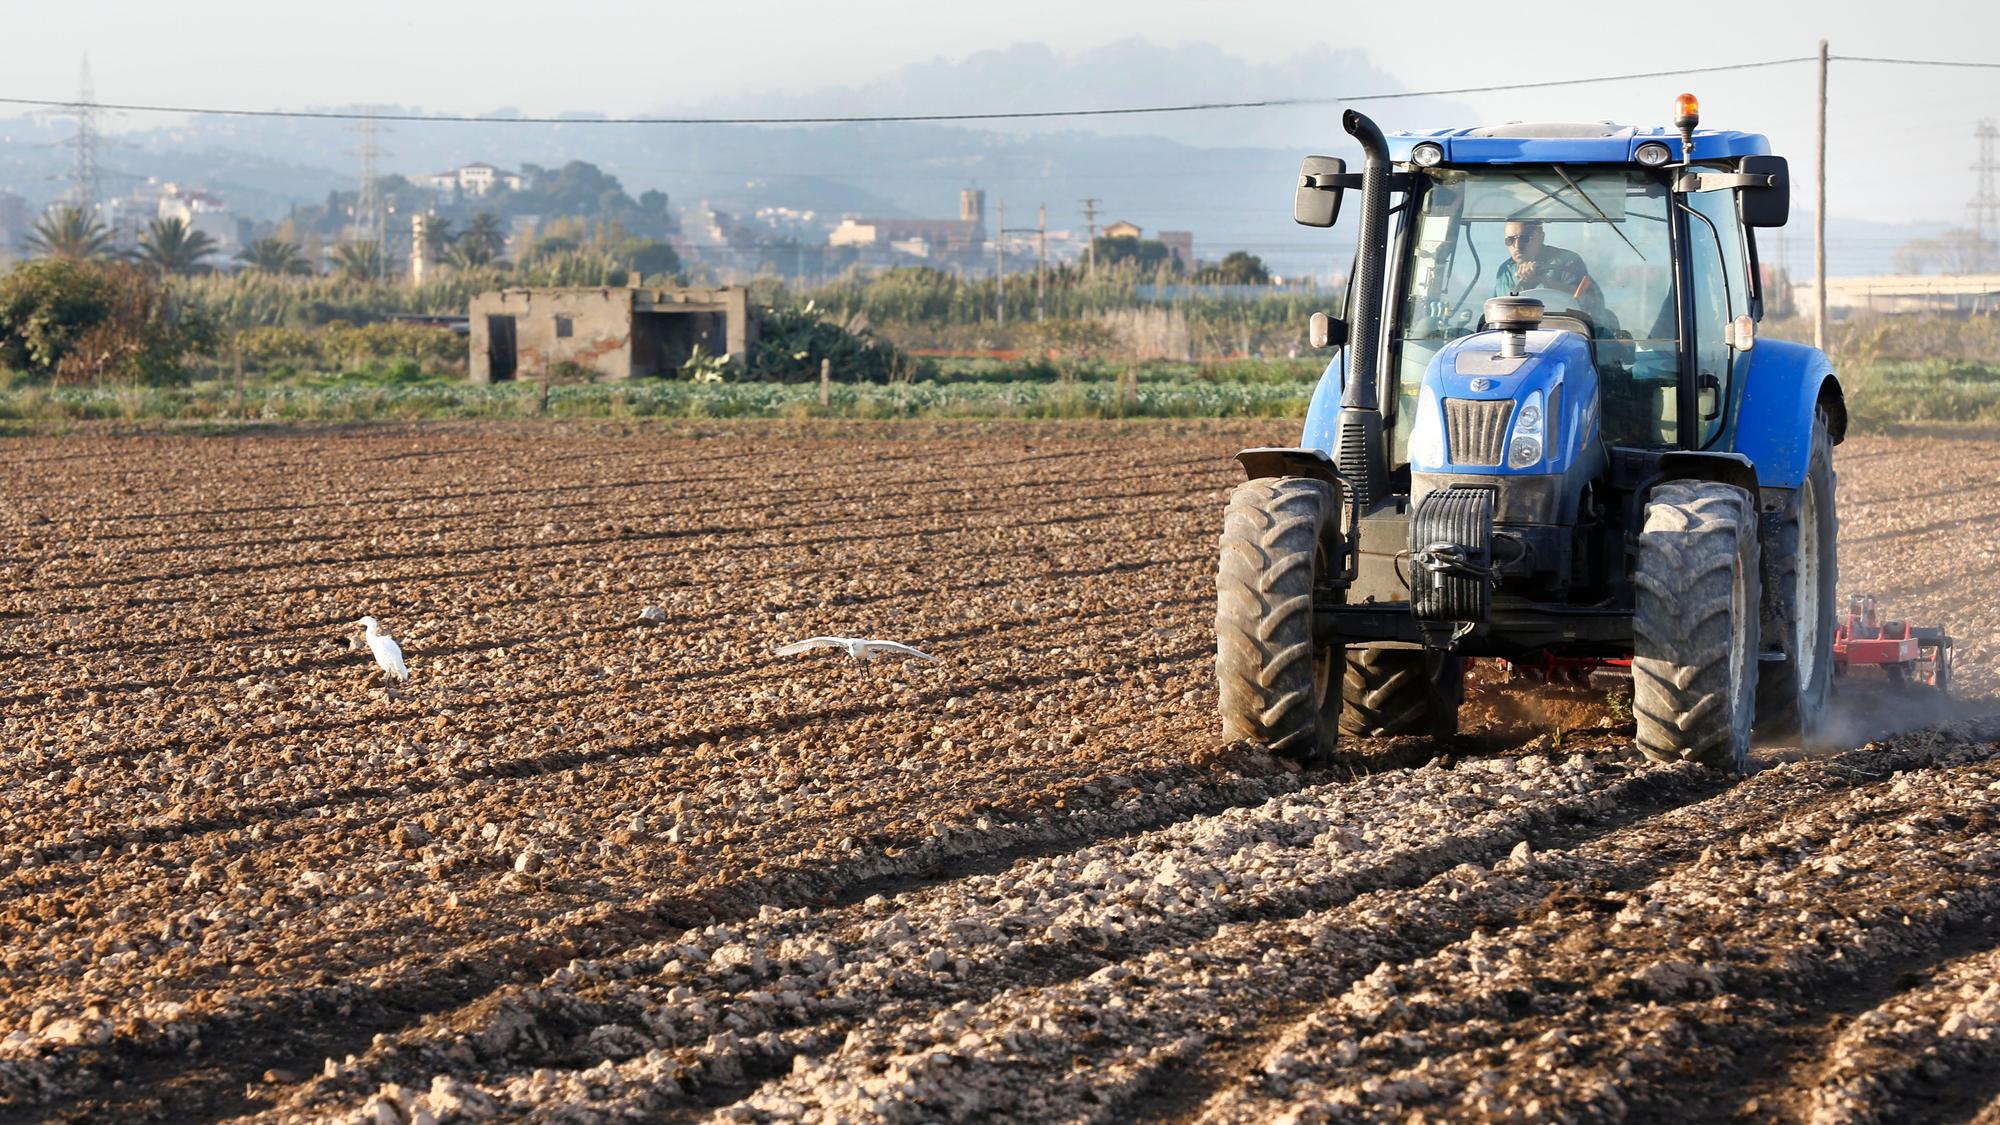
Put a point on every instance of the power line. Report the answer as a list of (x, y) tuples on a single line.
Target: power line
[(893, 118), (1916, 62)]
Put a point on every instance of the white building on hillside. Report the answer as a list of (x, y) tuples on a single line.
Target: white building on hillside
[(473, 179)]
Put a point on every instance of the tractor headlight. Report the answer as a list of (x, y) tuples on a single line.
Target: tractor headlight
[(1653, 155), (1525, 447), (1427, 155), (1426, 433)]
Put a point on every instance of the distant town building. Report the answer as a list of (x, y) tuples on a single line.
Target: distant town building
[(14, 221), (617, 333), (475, 179), (1179, 243), (1963, 294), (923, 238), (125, 216), (790, 222), (716, 229), (128, 216), (200, 211)]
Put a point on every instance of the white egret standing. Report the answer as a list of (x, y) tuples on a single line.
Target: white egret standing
[(860, 648), (388, 654)]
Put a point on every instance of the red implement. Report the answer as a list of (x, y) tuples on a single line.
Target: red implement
[(1908, 655)]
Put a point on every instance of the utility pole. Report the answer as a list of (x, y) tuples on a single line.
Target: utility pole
[(420, 248), (1000, 268), (1985, 205), (1819, 212), (1090, 248), (1041, 232), (1041, 258)]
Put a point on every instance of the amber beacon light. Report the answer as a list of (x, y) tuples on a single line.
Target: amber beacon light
[(1687, 114), (1687, 111)]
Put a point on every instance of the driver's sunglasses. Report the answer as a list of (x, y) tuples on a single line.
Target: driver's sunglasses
[(1517, 239)]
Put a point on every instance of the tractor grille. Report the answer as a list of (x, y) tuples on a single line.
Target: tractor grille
[(1477, 429)]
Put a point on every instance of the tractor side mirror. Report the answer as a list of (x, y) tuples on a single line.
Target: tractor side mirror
[(1325, 332), (1316, 203), (1765, 206)]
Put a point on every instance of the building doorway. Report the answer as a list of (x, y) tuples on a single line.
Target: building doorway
[(500, 360), (663, 341)]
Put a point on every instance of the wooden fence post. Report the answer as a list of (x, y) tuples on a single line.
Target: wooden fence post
[(825, 382)]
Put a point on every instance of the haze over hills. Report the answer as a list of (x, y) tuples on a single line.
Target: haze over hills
[(1225, 175), (1127, 73)]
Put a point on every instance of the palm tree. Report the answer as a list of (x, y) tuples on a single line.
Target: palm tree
[(466, 254), (168, 246), (481, 243), (67, 232), (274, 255), (438, 236), (359, 261)]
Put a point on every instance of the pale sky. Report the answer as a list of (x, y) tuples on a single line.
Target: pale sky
[(628, 57), (625, 58)]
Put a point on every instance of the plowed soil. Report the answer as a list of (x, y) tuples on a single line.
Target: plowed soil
[(590, 863)]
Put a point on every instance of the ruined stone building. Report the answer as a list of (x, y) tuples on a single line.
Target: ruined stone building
[(618, 333)]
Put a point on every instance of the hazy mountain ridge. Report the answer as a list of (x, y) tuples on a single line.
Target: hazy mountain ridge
[(1033, 76), (1226, 175)]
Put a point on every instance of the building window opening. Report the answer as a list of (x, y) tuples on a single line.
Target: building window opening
[(564, 328)]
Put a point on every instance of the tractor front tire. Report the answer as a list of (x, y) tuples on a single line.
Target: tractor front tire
[(1800, 575), (1399, 691), (1694, 626), (1277, 687)]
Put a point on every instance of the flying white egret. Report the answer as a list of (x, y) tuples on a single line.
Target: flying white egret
[(860, 648), (388, 654)]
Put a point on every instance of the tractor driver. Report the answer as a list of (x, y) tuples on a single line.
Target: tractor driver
[(1533, 264)]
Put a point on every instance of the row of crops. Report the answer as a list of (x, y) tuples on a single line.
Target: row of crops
[(648, 398)]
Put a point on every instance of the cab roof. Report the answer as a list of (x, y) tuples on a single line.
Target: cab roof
[(1571, 142)]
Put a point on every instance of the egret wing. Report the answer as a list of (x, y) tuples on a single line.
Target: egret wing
[(899, 649), (810, 643)]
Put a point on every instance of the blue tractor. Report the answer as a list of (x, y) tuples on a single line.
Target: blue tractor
[(1550, 435)]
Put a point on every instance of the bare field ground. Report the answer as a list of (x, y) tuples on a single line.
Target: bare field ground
[(588, 867)]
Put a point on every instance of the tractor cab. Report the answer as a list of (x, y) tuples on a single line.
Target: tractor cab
[(1549, 333)]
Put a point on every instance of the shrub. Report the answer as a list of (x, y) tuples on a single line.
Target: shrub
[(792, 342), (341, 347), (85, 322)]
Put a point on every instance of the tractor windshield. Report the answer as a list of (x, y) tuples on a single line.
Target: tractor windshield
[(1593, 245)]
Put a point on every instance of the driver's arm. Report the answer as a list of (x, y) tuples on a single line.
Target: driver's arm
[(1578, 282), (1588, 292)]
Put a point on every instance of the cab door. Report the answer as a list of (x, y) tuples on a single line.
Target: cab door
[(1720, 292)]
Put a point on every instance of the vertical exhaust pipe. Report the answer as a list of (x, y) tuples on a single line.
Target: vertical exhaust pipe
[(1360, 451)]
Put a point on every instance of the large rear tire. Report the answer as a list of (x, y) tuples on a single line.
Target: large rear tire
[(1694, 626), (1399, 691), (1800, 576), (1277, 687)]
